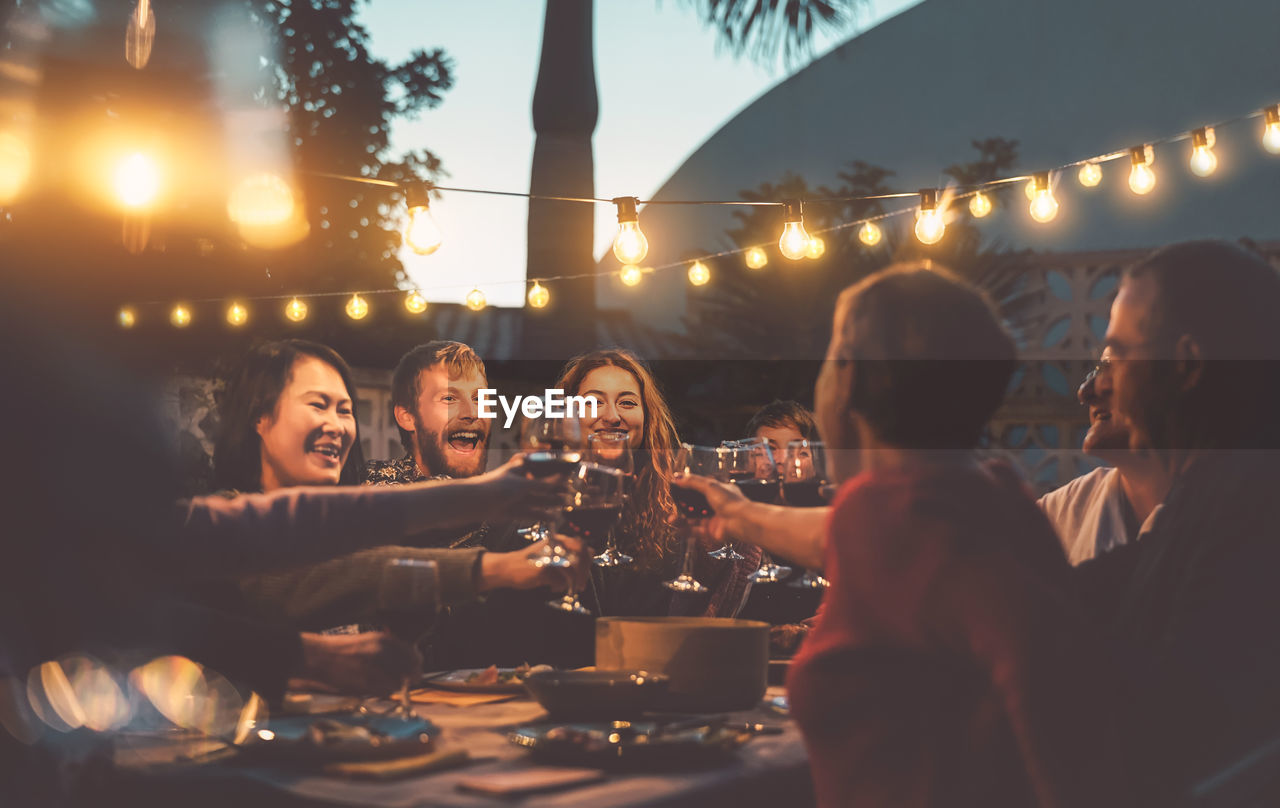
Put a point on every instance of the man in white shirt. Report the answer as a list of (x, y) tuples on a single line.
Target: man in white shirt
[(1111, 505)]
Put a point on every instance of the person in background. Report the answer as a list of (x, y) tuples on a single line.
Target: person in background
[(1111, 505), (780, 422)]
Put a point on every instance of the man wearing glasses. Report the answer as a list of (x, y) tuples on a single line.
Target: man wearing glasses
[(1114, 504)]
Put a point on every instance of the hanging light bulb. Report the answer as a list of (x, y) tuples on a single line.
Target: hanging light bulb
[(357, 307), (1141, 178), (979, 205), (415, 303), (422, 234), (630, 246), (126, 317), (539, 297), (631, 275), (1203, 160), (816, 247), (869, 234), (1090, 174), (1271, 129), (139, 35), (756, 258), (929, 223), (1030, 189), (794, 242), (180, 316), (295, 310), (237, 315), (475, 300), (1044, 207), (699, 274), (261, 200), (137, 181)]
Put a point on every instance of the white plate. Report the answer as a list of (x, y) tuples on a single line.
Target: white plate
[(458, 681)]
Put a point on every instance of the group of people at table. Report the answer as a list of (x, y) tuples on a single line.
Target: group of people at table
[(1114, 643)]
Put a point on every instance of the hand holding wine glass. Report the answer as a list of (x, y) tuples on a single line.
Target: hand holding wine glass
[(692, 505), (595, 505), (552, 447)]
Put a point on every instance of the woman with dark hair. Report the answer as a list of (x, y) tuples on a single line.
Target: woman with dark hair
[(289, 420), (630, 404)]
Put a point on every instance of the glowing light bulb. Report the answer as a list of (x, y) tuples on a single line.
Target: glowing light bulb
[(139, 35), (631, 275), (180, 316), (126, 317), (869, 234), (816, 247), (1090, 175), (794, 243), (261, 200), (629, 246), (422, 234), (1141, 178), (137, 181), (237, 315), (475, 300), (415, 303), (929, 224), (357, 307), (1203, 160), (1043, 207), (1271, 129), (979, 205), (757, 258), (699, 274), (15, 166), (295, 310), (538, 296)]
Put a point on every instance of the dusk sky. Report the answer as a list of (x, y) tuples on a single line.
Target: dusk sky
[(664, 84)]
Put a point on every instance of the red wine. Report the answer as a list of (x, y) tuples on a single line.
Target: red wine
[(592, 523), (803, 494), (691, 504), (765, 491), (547, 464)]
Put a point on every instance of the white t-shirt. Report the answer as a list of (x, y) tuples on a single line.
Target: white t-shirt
[(1088, 514)]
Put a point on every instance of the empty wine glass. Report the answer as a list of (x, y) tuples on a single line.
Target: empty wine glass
[(613, 451), (804, 476), (708, 461), (552, 446), (408, 600), (596, 497)]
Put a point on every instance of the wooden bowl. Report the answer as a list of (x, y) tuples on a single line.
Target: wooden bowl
[(714, 664)]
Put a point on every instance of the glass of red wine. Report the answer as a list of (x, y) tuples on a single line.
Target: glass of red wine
[(408, 600), (762, 484), (613, 451), (750, 467), (804, 476), (692, 506), (595, 504), (552, 446)]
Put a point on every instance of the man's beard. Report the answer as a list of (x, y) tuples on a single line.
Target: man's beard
[(1153, 406), (434, 456)]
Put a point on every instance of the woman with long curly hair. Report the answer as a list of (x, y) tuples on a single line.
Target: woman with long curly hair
[(631, 405)]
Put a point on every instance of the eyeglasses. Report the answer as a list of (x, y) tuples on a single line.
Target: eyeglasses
[(1102, 366)]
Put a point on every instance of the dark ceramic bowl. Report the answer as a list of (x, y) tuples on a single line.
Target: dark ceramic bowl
[(596, 695)]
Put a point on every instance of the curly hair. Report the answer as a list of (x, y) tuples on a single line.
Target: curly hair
[(647, 522)]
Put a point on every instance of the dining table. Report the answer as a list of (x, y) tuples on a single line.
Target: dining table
[(769, 769)]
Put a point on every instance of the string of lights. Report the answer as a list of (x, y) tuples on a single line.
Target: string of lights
[(631, 246)]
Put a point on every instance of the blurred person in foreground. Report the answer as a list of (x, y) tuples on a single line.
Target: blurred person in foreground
[(1114, 504), (950, 665)]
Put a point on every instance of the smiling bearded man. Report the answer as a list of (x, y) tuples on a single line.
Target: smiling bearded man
[(434, 394)]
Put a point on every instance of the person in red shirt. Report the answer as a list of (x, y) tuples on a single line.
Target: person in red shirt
[(949, 666)]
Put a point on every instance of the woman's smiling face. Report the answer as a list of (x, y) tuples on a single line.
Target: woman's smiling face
[(306, 440), (619, 408)]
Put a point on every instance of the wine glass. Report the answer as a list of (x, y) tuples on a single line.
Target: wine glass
[(708, 461), (595, 503), (749, 465), (408, 600), (804, 475), (762, 483), (552, 446), (613, 451)]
